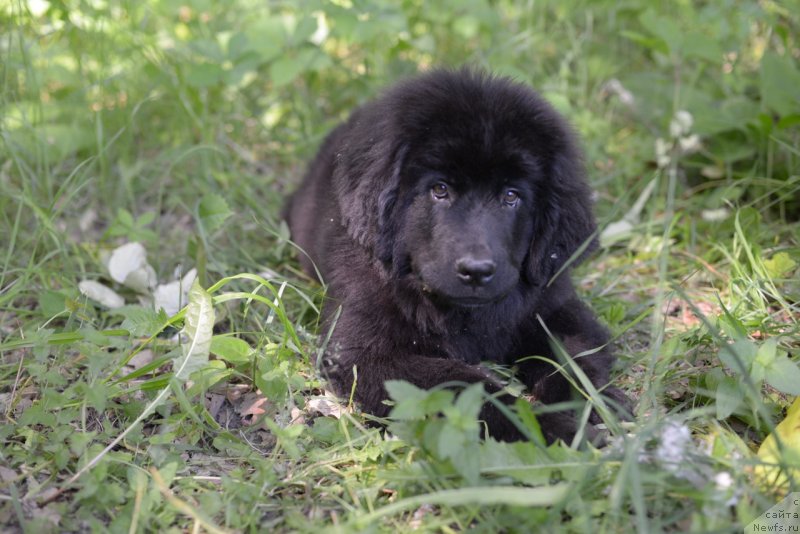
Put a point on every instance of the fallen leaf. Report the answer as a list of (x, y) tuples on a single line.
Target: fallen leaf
[(101, 294), (128, 265), (251, 407), (7, 475), (173, 296), (771, 472), (297, 416), (141, 358), (327, 406)]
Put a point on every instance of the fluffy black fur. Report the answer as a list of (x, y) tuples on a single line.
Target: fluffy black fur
[(439, 215)]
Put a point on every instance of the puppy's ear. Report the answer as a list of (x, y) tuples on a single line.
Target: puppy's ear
[(564, 228), (366, 179)]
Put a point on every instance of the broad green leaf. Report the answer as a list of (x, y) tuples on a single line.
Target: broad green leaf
[(53, 302), (784, 375), (450, 440), (408, 399), (204, 74), (437, 401), (780, 81), (400, 390), (97, 395), (141, 321), (729, 396), (663, 28), (285, 70), (274, 383), (266, 38), (209, 49), (767, 352), (466, 459), (467, 26), (231, 349), (213, 210), (125, 217), (740, 354), (198, 330), (779, 265), (238, 45), (701, 45), (304, 30), (470, 400)]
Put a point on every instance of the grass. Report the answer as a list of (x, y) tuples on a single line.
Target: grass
[(182, 127)]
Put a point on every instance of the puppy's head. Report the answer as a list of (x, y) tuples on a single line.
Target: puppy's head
[(466, 183)]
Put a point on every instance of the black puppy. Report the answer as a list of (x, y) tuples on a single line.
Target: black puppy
[(439, 216)]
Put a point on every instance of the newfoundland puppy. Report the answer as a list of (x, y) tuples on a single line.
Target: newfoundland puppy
[(444, 217)]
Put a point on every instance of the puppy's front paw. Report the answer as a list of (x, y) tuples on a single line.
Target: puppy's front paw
[(620, 405)]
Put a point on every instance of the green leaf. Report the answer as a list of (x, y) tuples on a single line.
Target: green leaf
[(213, 210), (304, 30), (780, 81), (663, 28), (450, 440), (701, 45), (729, 396), (209, 49), (284, 70), (779, 265), (740, 354), (467, 26), (529, 421), (231, 349), (408, 398), (141, 321), (400, 390), (197, 329), (125, 217), (146, 218), (97, 395), (784, 375), (470, 401), (238, 45), (52, 303), (767, 352), (273, 381), (204, 75), (266, 38)]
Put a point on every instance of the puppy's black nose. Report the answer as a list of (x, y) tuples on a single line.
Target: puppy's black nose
[(475, 272)]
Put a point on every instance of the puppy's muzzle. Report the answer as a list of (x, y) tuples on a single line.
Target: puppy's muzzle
[(475, 271)]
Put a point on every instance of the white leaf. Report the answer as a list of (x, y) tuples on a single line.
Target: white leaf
[(128, 265), (174, 295), (188, 279), (623, 227), (616, 230), (715, 215), (102, 294), (326, 406), (141, 280), (198, 329)]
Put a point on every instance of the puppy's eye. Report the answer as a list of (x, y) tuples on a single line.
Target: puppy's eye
[(511, 197), (439, 191)]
